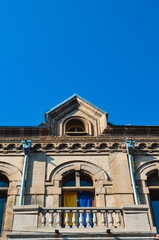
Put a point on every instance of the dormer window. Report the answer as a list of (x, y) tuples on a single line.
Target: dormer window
[(75, 127), (76, 117)]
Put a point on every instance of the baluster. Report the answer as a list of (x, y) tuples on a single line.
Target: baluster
[(67, 220), (58, 218), (94, 218), (43, 219), (81, 219), (118, 218), (110, 219), (50, 218), (88, 218), (103, 218), (74, 219)]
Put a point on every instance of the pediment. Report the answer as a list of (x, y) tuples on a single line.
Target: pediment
[(76, 109)]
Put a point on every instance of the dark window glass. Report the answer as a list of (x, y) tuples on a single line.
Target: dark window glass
[(3, 199), (153, 179), (69, 180), (85, 180), (75, 125), (154, 196), (4, 183)]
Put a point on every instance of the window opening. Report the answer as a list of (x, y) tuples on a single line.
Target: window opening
[(4, 183), (69, 180), (75, 127), (77, 179), (153, 184), (79, 195), (85, 180), (153, 179)]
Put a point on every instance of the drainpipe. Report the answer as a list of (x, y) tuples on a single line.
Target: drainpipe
[(26, 146), (129, 147)]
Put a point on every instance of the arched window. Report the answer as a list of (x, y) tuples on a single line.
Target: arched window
[(78, 190), (76, 179), (4, 183), (75, 127), (153, 184)]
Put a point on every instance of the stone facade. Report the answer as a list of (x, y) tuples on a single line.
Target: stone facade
[(75, 144)]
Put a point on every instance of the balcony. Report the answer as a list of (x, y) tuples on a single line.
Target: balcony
[(124, 221), (80, 218)]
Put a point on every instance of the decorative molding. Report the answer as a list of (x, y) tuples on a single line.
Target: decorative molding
[(79, 144)]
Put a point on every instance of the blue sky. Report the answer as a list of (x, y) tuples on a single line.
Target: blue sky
[(105, 51)]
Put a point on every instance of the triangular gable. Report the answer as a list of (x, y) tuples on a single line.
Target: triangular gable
[(72, 97), (76, 107)]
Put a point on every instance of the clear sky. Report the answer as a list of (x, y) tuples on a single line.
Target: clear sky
[(105, 51)]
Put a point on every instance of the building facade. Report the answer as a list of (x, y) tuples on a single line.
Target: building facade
[(77, 176)]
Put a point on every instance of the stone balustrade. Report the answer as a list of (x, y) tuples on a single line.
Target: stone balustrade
[(81, 217), (127, 218)]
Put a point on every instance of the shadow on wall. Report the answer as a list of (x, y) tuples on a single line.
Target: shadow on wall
[(36, 177)]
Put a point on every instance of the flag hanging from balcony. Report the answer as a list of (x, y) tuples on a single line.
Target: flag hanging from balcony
[(78, 199), (85, 200)]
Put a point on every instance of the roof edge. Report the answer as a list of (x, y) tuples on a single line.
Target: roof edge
[(71, 97)]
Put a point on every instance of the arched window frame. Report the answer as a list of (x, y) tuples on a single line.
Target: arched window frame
[(78, 189), (87, 125), (154, 195), (142, 173), (78, 186), (98, 175)]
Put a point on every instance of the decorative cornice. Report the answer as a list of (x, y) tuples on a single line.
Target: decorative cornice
[(79, 144)]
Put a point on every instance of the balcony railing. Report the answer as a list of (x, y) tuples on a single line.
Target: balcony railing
[(35, 219), (80, 217)]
